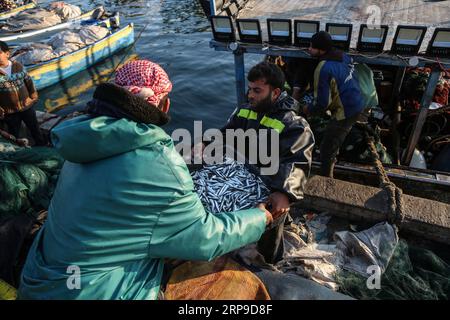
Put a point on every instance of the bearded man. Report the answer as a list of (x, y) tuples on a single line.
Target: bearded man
[(270, 107)]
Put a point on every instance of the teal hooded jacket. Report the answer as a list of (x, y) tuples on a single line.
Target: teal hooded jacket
[(124, 201)]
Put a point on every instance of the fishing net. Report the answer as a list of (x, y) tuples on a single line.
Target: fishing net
[(355, 147), (27, 178), (413, 274)]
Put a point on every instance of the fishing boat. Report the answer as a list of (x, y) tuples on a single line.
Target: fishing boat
[(73, 23), (69, 91), (13, 12), (248, 32), (52, 71), (344, 18)]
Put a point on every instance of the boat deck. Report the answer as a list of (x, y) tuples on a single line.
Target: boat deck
[(393, 12)]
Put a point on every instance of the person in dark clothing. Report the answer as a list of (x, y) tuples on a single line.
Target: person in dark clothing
[(17, 97), (302, 75), (337, 89), (270, 107)]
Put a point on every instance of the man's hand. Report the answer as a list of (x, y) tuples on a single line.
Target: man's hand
[(297, 93), (23, 142), (269, 218), (280, 204)]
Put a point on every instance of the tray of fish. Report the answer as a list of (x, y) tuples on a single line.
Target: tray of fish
[(228, 187)]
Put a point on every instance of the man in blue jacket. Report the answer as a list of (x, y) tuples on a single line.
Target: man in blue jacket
[(270, 108), (337, 89), (125, 200)]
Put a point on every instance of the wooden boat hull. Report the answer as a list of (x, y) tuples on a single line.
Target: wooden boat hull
[(69, 91), (420, 183), (50, 72)]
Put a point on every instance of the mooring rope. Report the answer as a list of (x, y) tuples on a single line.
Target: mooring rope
[(395, 213)]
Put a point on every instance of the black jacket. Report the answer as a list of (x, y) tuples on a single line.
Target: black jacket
[(296, 143)]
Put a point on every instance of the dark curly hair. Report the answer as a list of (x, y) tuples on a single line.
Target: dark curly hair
[(4, 47), (270, 72)]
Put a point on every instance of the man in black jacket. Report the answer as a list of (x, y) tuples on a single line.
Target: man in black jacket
[(270, 107)]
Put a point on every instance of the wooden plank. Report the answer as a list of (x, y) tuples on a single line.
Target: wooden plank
[(393, 13)]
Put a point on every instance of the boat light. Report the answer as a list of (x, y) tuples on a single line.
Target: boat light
[(407, 39), (303, 32), (222, 28), (372, 39), (341, 34), (280, 31), (249, 30), (440, 43)]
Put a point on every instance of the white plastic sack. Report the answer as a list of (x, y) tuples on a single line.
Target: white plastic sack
[(60, 44), (35, 53), (66, 49), (64, 38), (372, 247), (33, 19), (92, 34), (65, 11)]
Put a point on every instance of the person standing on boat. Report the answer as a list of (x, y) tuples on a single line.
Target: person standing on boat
[(270, 107), (336, 88), (125, 200), (17, 97)]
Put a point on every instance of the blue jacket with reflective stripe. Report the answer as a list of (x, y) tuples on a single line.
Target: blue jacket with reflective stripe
[(336, 87), (295, 143)]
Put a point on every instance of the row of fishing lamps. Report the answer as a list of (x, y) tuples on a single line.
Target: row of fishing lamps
[(407, 39)]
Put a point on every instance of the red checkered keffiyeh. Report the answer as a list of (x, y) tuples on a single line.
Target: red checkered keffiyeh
[(145, 79)]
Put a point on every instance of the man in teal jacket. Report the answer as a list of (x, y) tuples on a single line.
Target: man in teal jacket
[(125, 200)]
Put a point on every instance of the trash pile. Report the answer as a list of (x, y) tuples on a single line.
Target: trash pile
[(228, 187), (414, 87), (60, 44), (344, 261), (39, 18)]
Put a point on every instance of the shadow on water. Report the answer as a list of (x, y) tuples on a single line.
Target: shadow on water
[(177, 37)]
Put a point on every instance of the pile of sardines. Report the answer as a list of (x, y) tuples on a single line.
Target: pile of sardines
[(228, 187)]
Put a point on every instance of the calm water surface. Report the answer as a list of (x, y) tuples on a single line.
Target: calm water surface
[(177, 37)]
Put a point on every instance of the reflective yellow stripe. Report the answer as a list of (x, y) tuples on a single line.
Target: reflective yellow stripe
[(265, 121), (247, 114), (272, 123), (7, 292)]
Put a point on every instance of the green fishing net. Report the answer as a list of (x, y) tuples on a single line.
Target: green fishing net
[(412, 274), (27, 177)]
